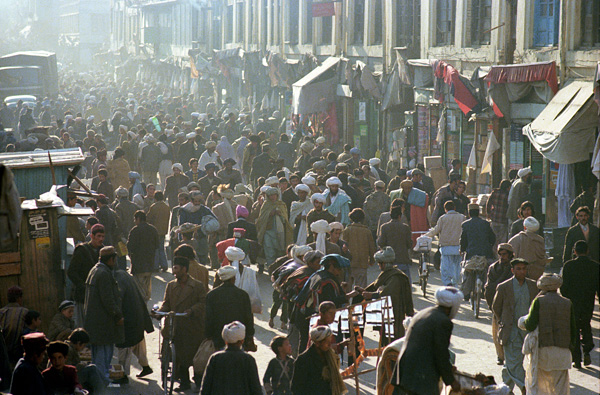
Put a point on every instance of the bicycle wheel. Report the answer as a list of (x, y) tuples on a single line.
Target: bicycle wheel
[(171, 382)]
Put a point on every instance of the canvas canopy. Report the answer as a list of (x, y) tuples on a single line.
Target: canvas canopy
[(315, 91), (564, 131)]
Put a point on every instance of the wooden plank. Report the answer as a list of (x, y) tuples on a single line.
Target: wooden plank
[(10, 257), (10, 269)]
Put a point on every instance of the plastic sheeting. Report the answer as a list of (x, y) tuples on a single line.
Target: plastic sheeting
[(564, 131), (565, 193), (314, 92)]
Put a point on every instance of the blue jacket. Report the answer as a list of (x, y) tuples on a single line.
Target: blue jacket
[(477, 238)]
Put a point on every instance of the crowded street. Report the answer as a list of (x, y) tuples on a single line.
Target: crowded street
[(390, 197)]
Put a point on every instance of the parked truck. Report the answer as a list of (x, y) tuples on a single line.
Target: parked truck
[(29, 73)]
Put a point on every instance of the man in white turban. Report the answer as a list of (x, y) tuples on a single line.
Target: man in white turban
[(425, 357), (210, 156), (298, 211), (337, 202), (316, 214), (530, 246), (518, 192), (218, 378), (550, 356), (311, 182)]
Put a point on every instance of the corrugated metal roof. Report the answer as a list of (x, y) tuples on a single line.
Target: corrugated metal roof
[(32, 159)]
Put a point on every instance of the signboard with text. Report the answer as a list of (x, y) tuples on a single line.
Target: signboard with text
[(323, 9)]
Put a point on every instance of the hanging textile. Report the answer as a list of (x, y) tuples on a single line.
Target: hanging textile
[(565, 193), (492, 147)]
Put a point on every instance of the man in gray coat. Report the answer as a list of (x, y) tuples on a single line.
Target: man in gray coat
[(103, 317)]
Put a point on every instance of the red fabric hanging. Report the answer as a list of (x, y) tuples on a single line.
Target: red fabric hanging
[(463, 96), (544, 71)]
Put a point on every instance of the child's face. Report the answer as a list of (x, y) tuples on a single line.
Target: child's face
[(68, 312), (37, 322), (79, 346), (57, 360), (329, 316), (286, 348)]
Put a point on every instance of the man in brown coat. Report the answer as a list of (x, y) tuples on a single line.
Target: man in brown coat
[(512, 301), (398, 236), (185, 295), (361, 245), (159, 215)]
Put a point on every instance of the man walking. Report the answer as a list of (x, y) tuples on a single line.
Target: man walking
[(448, 229), (142, 244), (158, 216), (497, 206), (512, 300), (553, 315), (498, 272), (103, 315), (580, 285), (583, 230), (424, 357), (397, 235), (84, 258), (361, 245)]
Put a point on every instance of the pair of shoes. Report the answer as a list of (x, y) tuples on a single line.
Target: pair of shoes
[(146, 370), (577, 365), (123, 380), (500, 361), (183, 387), (587, 360), (271, 323)]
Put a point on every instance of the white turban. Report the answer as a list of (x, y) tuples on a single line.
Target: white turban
[(524, 172), (234, 332), (131, 134), (191, 135), (299, 251), (180, 135), (177, 166), (210, 144), (317, 197), (195, 114), (302, 187), (531, 224), (320, 227), (449, 297), (308, 180), (320, 333), (387, 255), (235, 254), (272, 181), (122, 127), (227, 272), (333, 181), (549, 282), (320, 140), (374, 161), (336, 225), (306, 147), (264, 188)]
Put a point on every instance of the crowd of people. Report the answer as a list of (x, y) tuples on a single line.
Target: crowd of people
[(188, 187)]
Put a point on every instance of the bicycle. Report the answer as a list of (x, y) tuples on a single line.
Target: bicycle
[(168, 355), (423, 247), (478, 266)]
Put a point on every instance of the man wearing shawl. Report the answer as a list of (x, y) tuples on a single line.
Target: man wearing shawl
[(137, 187), (394, 283), (319, 230), (174, 183), (209, 156), (552, 314), (241, 212), (228, 174), (224, 211), (337, 202), (424, 357), (224, 149), (415, 210), (274, 229), (298, 212), (316, 214)]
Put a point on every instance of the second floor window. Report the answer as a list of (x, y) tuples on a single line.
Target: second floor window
[(590, 23), (545, 23), (481, 21), (446, 14)]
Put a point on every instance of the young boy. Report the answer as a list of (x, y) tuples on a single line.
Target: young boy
[(33, 322), (62, 323), (278, 376), (60, 377), (89, 375)]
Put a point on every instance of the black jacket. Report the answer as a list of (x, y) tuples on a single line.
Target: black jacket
[(424, 357), (225, 304), (142, 245), (477, 238), (251, 232), (581, 283), (308, 379), (574, 234), (135, 313), (218, 378)]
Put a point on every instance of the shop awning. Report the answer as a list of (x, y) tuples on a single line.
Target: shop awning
[(316, 90), (564, 131)]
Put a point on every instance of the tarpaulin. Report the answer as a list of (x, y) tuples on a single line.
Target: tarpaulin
[(564, 131), (315, 91), (460, 87), (543, 71)]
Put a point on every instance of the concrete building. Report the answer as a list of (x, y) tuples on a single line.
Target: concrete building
[(84, 29)]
